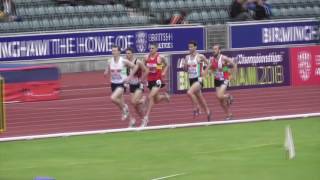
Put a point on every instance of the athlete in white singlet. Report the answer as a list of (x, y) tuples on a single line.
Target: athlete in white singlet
[(193, 64), (117, 68)]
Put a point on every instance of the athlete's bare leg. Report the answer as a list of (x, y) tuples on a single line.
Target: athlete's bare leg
[(162, 97), (117, 98), (154, 91), (153, 98), (223, 98), (151, 101), (203, 104), (137, 102), (195, 88)]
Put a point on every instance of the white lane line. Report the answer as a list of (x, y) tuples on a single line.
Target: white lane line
[(169, 126)]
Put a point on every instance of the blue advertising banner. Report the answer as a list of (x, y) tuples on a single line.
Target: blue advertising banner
[(97, 43), (256, 68), (273, 33)]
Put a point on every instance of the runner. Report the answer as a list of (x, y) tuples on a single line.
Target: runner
[(157, 67), (118, 70), (193, 65), (222, 67), (136, 85)]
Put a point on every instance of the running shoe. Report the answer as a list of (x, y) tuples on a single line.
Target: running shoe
[(196, 112), (145, 121), (229, 117), (132, 123), (209, 116), (125, 112)]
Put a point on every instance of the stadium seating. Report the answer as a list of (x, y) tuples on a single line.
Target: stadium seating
[(218, 10), (44, 15)]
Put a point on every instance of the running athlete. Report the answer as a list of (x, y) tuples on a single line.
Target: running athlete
[(118, 70), (193, 65), (222, 67), (136, 86), (157, 67)]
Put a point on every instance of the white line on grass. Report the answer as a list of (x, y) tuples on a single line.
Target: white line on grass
[(170, 176)]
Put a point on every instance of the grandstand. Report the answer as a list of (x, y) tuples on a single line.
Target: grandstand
[(45, 15)]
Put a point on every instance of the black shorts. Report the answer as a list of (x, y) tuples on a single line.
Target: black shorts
[(218, 83), (134, 87), (194, 80), (152, 84), (114, 86)]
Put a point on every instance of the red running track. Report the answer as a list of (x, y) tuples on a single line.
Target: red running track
[(85, 106)]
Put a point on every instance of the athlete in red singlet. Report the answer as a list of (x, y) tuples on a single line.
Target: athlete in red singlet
[(157, 69), (220, 65)]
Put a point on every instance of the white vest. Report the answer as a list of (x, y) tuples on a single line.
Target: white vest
[(219, 71), (193, 67), (118, 71)]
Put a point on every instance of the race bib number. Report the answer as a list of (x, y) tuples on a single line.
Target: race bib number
[(192, 72), (116, 75), (158, 82), (153, 69), (134, 81), (219, 75)]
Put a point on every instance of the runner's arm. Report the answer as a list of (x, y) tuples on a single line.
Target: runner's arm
[(205, 72), (107, 69), (165, 69), (230, 61), (131, 66), (185, 64), (144, 68), (204, 59)]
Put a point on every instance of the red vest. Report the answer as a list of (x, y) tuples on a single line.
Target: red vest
[(155, 69)]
